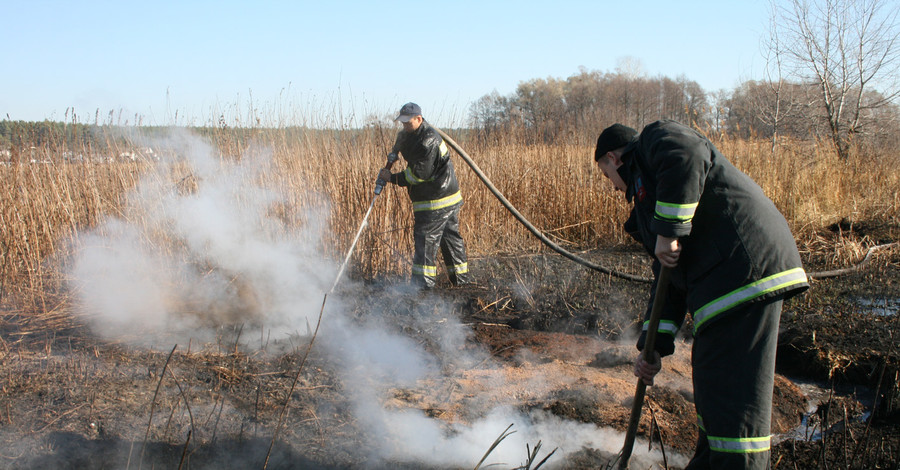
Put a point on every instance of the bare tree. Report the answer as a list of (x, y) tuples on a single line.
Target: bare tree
[(543, 105), (718, 110), (780, 102), (490, 111), (847, 48)]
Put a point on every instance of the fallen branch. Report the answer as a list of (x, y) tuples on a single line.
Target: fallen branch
[(854, 268), (60, 416)]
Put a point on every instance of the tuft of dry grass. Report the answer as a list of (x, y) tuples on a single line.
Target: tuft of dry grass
[(45, 203)]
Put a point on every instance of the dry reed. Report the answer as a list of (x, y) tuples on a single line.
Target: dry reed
[(46, 202)]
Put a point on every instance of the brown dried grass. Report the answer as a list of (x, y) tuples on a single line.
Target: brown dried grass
[(556, 186)]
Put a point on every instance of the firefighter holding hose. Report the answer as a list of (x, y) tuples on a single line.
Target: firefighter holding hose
[(732, 260), (431, 182)]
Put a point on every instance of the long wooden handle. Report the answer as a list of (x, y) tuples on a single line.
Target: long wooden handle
[(659, 299)]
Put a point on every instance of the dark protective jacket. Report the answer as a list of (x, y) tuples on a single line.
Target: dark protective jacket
[(429, 176), (736, 245)]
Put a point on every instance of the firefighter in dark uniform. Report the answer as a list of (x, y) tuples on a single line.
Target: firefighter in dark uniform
[(434, 191), (733, 261)]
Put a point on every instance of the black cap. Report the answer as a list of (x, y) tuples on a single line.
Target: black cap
[(408, 111), (613, 137)]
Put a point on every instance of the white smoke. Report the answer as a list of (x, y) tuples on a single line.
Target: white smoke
[(196, 247)]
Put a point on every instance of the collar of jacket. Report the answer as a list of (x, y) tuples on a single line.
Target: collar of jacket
[(421, 128), (626, 171)]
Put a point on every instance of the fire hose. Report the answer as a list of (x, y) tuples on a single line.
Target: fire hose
[(659, 295), (528, 225)]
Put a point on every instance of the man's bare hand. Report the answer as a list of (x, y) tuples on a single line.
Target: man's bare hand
[(645, 370), (667, 251)]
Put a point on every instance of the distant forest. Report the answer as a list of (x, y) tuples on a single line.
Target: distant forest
[(588, 101), (573, 110)]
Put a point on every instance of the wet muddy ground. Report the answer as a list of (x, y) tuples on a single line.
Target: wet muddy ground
[(536, 336)]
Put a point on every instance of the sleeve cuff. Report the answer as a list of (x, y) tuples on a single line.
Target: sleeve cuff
[(665, 343), (669, 229)]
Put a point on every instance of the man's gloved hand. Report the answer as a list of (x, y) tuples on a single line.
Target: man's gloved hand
[(385, 175)]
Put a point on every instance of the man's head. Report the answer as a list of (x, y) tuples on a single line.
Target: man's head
[(411, 117), (610, 147), (612, 138)]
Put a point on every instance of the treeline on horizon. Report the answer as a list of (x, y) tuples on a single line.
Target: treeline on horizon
[(552, 110), (585, 103)]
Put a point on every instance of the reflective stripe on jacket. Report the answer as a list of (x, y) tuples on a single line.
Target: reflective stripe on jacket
[(736, 245), (775, 282), (436, 204), (429, 176)]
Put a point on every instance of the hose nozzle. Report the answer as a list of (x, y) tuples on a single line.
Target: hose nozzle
[(379, 183)]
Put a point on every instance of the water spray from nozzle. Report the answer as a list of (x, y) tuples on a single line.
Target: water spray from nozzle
[(379, 185)]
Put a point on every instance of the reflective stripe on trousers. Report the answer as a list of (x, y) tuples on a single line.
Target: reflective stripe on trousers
[(735, 444), (733, 362), (430, 271), (433, 230)]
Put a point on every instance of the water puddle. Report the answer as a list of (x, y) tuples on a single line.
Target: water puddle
[(882, 307), (810, 428)]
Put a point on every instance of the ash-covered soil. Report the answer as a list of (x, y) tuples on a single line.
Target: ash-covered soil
[(538, 343)]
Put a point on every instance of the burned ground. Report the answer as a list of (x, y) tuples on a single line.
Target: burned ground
[(541, 336)]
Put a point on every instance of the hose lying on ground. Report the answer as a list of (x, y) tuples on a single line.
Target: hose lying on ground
[(854, 268), (631, 277), (531, 228)]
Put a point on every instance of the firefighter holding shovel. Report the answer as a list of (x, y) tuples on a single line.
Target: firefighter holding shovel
[(730, 260), (431, 182)]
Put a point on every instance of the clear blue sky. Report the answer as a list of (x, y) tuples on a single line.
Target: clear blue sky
[(195, 60)]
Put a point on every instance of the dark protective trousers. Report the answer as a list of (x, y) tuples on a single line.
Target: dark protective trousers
[(733, 364), (433, 230)]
